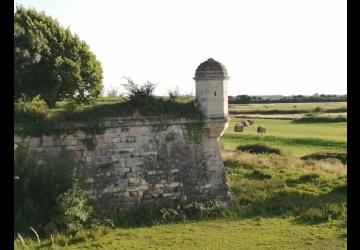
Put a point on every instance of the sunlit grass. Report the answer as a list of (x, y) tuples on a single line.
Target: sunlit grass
[(270, 233), (298, 138)]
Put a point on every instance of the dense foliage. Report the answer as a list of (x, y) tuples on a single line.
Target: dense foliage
[(52, 62), (48, 194)]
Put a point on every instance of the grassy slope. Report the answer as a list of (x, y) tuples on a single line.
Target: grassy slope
[(298, 138)]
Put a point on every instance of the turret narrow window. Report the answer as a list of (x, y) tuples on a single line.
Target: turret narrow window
[(215, 93)]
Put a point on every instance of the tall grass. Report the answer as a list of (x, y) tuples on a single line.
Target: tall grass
[(283, 185)]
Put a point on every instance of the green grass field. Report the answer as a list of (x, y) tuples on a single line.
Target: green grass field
[(215, 234), (298, 138)]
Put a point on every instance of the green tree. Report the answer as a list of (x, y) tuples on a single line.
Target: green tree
[(51, 62), (243, 99)]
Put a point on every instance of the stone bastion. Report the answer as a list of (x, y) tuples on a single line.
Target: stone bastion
[(140, 161)]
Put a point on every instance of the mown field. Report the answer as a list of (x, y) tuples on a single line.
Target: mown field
[(279, 201), (283, 108), (296, 138)]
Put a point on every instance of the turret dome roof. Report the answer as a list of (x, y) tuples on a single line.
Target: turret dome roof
[(211, 69)]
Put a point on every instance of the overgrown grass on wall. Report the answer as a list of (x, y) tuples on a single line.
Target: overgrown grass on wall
[(35, 118)]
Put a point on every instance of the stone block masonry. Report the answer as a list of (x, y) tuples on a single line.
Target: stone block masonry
[(138, 161)]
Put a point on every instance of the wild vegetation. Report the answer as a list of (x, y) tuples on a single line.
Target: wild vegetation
[(35, 117), (49, 195)]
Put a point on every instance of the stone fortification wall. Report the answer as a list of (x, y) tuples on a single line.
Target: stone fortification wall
[(139, 161)]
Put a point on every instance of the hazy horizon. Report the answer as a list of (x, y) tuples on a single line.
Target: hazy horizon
[(268, 47), (272, 95)]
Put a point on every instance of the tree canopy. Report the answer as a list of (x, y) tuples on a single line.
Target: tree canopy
[(52, 62)]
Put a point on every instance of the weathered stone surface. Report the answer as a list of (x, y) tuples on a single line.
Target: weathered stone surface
[(211, 88), (117, 174)]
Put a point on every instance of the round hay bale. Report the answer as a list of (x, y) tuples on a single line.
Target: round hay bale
[(261, 129), (245, 123), (239, 128), (251, 122)]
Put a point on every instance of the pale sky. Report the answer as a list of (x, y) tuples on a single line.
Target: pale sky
[(268, 47)]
